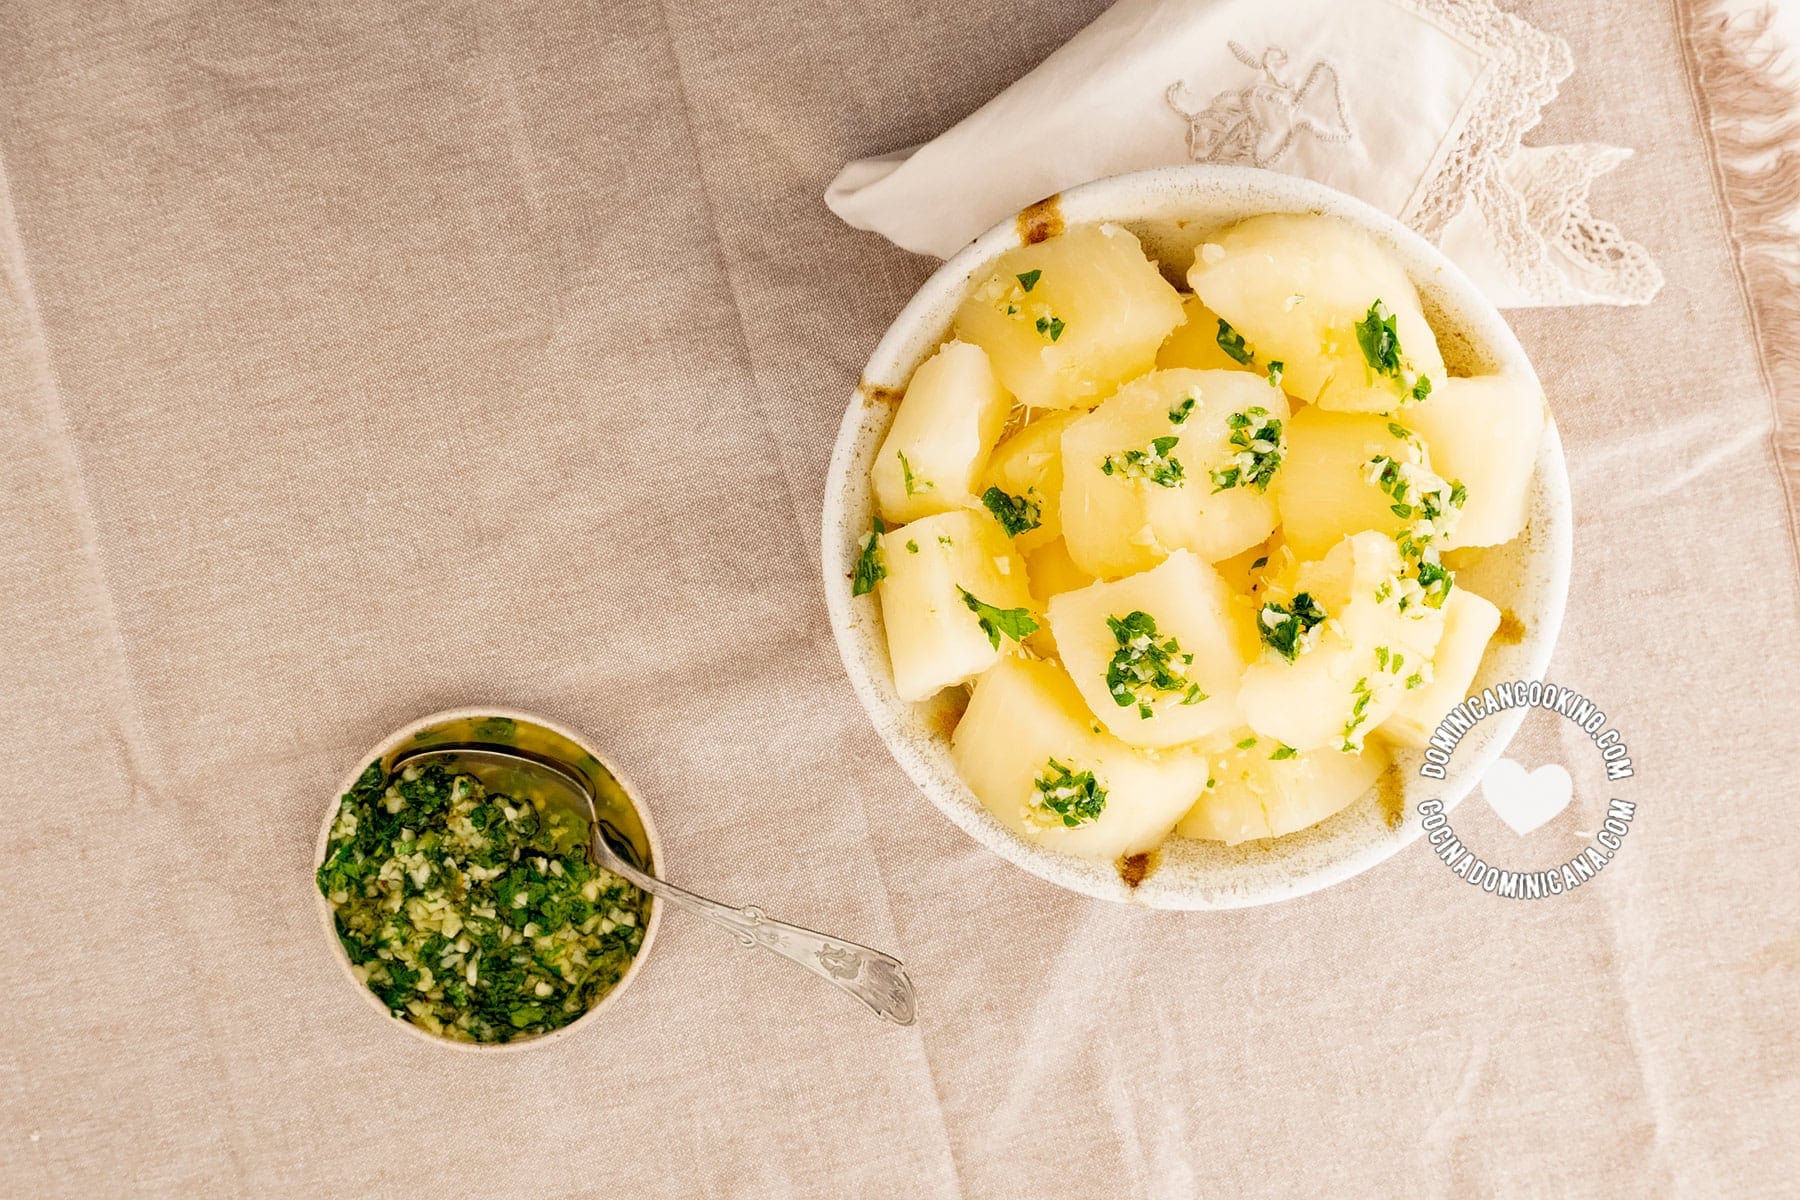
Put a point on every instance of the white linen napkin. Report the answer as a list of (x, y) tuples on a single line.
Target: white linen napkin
[(1416, 106)]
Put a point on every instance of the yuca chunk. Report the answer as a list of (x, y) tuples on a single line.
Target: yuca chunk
[(1067, 320)]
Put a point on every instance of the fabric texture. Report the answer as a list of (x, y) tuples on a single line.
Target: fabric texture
[(1416, 106), (1747, 86), (379, 359)]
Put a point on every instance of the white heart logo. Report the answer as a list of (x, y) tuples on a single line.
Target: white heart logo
[(1525, 799)]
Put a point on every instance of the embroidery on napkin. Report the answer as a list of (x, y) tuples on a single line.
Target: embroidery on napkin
[(1256, 125), (1522, 209)]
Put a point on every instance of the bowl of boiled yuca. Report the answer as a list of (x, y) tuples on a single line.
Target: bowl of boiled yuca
[(1170, 519)]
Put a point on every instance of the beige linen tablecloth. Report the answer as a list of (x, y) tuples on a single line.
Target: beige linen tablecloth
[(362, 360)]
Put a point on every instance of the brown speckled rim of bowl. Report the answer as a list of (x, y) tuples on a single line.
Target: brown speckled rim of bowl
[(1162, 204), (397, 740)]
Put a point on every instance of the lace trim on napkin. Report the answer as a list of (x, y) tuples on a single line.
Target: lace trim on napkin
[(1532, 200), (1543, 195), (1520, 212)]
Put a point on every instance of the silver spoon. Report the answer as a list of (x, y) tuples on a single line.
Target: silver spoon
[(878, 980)]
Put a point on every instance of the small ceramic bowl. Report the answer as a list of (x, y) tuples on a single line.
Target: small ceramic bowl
[(505, 729), (1171, 210)]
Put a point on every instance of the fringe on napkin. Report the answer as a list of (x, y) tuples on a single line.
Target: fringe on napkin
[(1748, 96)]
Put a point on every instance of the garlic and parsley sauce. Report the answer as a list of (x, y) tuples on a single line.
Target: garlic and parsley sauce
[(473, 912)]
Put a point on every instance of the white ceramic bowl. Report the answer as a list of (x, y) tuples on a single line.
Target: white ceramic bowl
[(1170, 210), (502, 728)]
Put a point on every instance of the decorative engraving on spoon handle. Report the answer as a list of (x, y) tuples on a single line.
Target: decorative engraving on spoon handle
[(878, 980)]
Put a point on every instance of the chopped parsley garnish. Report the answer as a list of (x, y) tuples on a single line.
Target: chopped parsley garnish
[(1398, 430), (1359, 713), (1029, 279), (1016, 514), (1416, 495), (1414, 680), (1436, 580), (870, 569), (1074, 796), (1181, 412), (1259, 562), (1379, 338), (1246, 743), (472, 914), (1281, 752), (913, 486), (1232, 343), (1051, 327), (912, 547), (1152, 463), (1284, 627), (1015, 623), (1143, 666), (1256, 438)]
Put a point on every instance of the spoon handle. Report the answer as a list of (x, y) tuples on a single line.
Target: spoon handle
[(878, 980)]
